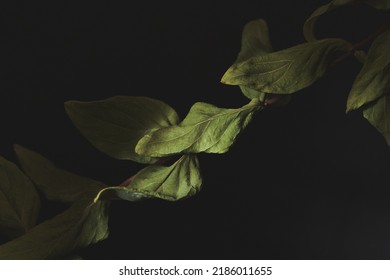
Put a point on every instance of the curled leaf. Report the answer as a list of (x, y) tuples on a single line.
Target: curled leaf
[(373, 81), (19, 201), (115, 125), (206, 128), (308, 27), (288, 70), (56, 184)]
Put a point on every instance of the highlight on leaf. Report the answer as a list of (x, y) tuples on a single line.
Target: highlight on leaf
[(206, 128), (289, 70), (373, 81), (115, 125)]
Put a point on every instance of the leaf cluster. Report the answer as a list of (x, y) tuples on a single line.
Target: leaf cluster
[(150, 132)]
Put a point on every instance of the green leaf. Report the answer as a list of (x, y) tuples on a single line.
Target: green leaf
[(180, 180), (206, 128), (254, 41), (19, 201), (115, 125), (378, 114), (308, 27), (83, 224), (286, 71), (55, 183), (373, 80)]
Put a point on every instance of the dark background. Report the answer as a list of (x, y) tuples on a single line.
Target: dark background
[(305, 181)]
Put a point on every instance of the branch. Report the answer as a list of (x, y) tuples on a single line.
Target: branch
[(363, 43)]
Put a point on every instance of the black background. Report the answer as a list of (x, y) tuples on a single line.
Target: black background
[(305, 181)]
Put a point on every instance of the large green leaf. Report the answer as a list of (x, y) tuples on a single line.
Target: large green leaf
[(206, 128), (115, 125), (308, 28), (83, 224), (254, 41), (373, 80), (180, 180), (19, 201), (55, 183), (288, 70), (378, 114)]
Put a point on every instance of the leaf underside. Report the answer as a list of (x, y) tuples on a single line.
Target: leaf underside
[(180, 180), (206, 128)]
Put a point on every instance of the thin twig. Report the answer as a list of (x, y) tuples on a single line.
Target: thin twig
[(363, 43)]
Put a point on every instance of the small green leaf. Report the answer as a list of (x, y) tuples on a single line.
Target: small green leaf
[(83, 224), (206, 128), (373, 80), (378, 114), (115, 125), (308, 27), (286, 71), (180, 180), (19, 201), (55, 183), (254, 41)]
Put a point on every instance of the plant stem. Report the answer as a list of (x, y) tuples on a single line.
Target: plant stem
[(363, 43)]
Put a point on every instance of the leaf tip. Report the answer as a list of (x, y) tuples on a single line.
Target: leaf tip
[(227, 77), (19, 149)]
